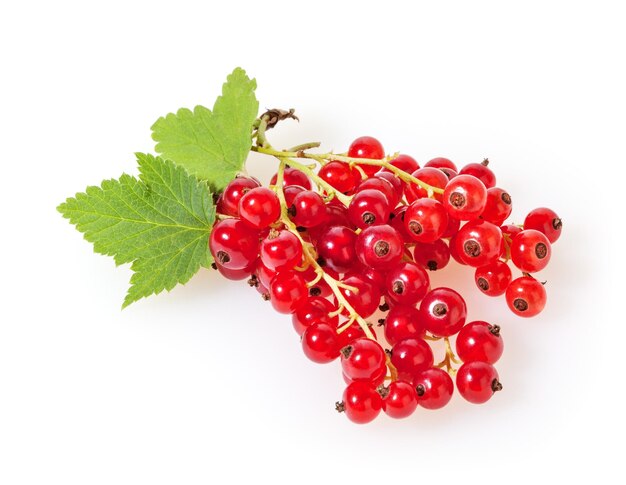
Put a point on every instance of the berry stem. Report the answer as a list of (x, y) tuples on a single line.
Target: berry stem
[(449, 359)]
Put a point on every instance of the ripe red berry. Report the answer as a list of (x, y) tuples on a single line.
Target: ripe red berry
[(443, 312), (399, 399), (441, 162), (432, 256), (530, 251), (426, 220), (259, 207), (431, 176), (407, 283), (410, 357), (228, 202), (493, 278), (479, 341), (367, 147), (510, 230), (465, 197), (481, 171), (236, 274), (336, 248), (380, 184), (363, 360), (308, 209), (395, 182), (336, 215), (292, 176), (498, 206), (361, 403), (406, 163), (287, 291), (365, 301), (546, 221), (290, 193), (340, 176), (320, 343), (403, 322), (526, 296), (280, 250), (368, 208), (477, 381), (479, 242), (314, 310), (379, 246), (434, 388), (234, 244)]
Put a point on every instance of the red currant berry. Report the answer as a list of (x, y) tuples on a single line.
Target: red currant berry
[(365, 301), (367, 147), (290, 193), (403, 322), (320, 288), (426, 220), (530, 251), (410, 357), (465, 197), (287, 291), (292, 176), (363, 360), (228, 202), (395, 182), (406, 163), (340, 176), (407, 283), (379, 246), (320, 343), (374, 276), (477, 381), (449, 173), (498, 206), (431, 176), (443, 312), (259, 207), (480, 242), (236, 274), (434, 388), (263, 273), (336, 248), (546, 221), (493, 278), (314, 310), (380, 184), (510, 230), (432, 256), (455, 249), (308, 209), (441, 162), (481, 171), (349, 335), (368, 208), (526, 296), (479, 341), (280, 250), (361, 403), (337, 215), (234, 244), (396, 220), (399, 399)]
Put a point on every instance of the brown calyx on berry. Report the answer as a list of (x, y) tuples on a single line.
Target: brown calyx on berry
[(557, 223), (415, 227), (440, 309), (471, 248), (340, 407), (222, 257), (495, 330), (432, 265), (541, 250), (506, 198), (265, 296), (346, 351), (457, 200), (315, 291), (496, 385), (369, 218), (383, 391), (384, 307), (420, 389), (381, 248), (291, 212), (485, 162), (398, 287), (321, 262), (520, 304), (273, 234), (253, 281), (381, 322), (213, 265), (482, 283)]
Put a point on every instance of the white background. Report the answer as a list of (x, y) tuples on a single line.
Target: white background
[(207, 384)]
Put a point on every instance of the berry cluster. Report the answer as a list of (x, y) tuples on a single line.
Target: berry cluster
[(356, 238)]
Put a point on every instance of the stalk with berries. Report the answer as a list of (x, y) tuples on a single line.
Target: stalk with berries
[(342, 242)]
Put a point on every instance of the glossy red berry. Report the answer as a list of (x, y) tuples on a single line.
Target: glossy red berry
[(292, 176), (481, 171), (399, 399), (441, 162), (315, 309), (431, 176), (336, 215), (365, 301), (320, 343), (465, 197), (234, 244), (228, 202), (368, 208), (530, 251), (498, 206), (288, 291), (510, 230), (526, 296), (546, 221), (236, 274), (477, 381), (432, 256), (426, 220), (308, 209), (363, 360), (336, 248), (479, 242), (406, 163), (494, 278), (443, 312), (407, 283), (320, 287), (280, 250), (349, 335), (410, 357), (290, 193), (479, 341), (379, 246), (434, 388), (403, 322), (395, 182), (340, 176), (367, 147), (361, 403), (380, 184), (259, 207)]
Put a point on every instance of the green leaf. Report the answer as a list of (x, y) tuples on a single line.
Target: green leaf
[(160, 223), (212, 145)]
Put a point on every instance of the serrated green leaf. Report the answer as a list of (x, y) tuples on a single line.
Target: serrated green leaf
[(213, 145), (160, 223)]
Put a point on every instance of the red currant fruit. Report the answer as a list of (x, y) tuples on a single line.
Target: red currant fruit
[(399, 399), (395, 182), (365, 301), (443, 312), (396, 220), (493, 278), (320, 343), (498, 206), (441, 162), (403, 322), (530, 251), (406, 163), (280, 250), (479, 341), (481, 171), (407, 283), (228, 202), (410, 357), (426, 220), (368, 208), (259, 207), (363, 360), (234, 244), (465, 197), (336, 215), (432, 256), (511, 230), (380, 184), (336, 248), (367, 147), (287, 291), (479, 242), (290, 193), (379, 246), (292, 176), (361, 403), (352, 333), (434, 388), (477, 381), (308, 209), (526, 296), (236, 274), (339, 175), (546, 221), (314, 310), (431, 176)]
